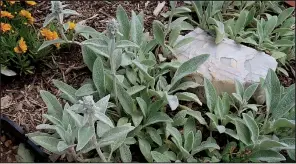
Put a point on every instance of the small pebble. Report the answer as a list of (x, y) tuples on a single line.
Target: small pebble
[(14, 147), (8, 143)]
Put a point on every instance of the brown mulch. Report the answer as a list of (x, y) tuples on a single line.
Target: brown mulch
[(20, 98)]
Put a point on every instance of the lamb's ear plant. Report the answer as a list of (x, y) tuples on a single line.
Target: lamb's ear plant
[(257, 131), (79, 129)]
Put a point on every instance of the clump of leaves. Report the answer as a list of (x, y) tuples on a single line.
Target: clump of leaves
[(266, 26), (133, 93)]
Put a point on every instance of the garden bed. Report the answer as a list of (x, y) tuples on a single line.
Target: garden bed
[(20, 95)]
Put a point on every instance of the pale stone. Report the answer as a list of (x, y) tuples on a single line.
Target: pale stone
[(228, 61)]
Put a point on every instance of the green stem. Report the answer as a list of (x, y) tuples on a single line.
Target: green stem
[(94, 140)]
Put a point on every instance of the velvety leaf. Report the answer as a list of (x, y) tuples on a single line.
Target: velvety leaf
[(48, 143), (145, 149), (187, 96), (99, 76), (270, 25), (189, 126), (250, 91), (89, 56), (253, 127), (284, 105), (54, 108), (156, 118), (211, 95), (175, 133), (66, 89), (115, 133), (135, 89), (123, 21), (278, 54), (102, 128), (240, 22), (284, 123), (102, 104), (174, 34), (103, 118), (284, 15), (125, 100), (136, 29), (184, 86), (239, 88), (180, 118), (183, 42), (50, 42), (197, 115), (86, 89), (188, 145), (143, 106), (62, 145), (85, 133), (189, 67), (266, 156), (284, 43), (243, 132), (158, 157), (125, 153), (137, 117), (158, 32), (126, 44), (154, 135)]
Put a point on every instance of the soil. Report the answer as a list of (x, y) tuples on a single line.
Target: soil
[(8, 149)]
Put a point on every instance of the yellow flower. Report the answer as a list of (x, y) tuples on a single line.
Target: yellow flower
[(21, 47), (31, 3), (5, 27), (72, 25), (6, 14), (50, 35), (27, 15)]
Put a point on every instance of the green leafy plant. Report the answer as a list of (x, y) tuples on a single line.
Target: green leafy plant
[(80, 128), (136, 101), (266, 26), (19, 40)]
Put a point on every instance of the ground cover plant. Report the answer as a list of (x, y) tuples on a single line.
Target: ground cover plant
[(265, 25), (137, 101), (19, 39)]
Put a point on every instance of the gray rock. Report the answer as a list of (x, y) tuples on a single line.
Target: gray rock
[(228, 61)]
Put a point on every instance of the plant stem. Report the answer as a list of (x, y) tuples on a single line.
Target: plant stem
[(101, 154)]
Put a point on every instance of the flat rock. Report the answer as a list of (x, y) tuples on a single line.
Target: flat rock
[(228, 61)]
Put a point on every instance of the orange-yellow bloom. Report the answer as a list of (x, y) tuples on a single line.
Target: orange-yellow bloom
[(50, 35), (6, 14), (5, 27), (27, 15), (21, 47), (72, 25), (31, 3)]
